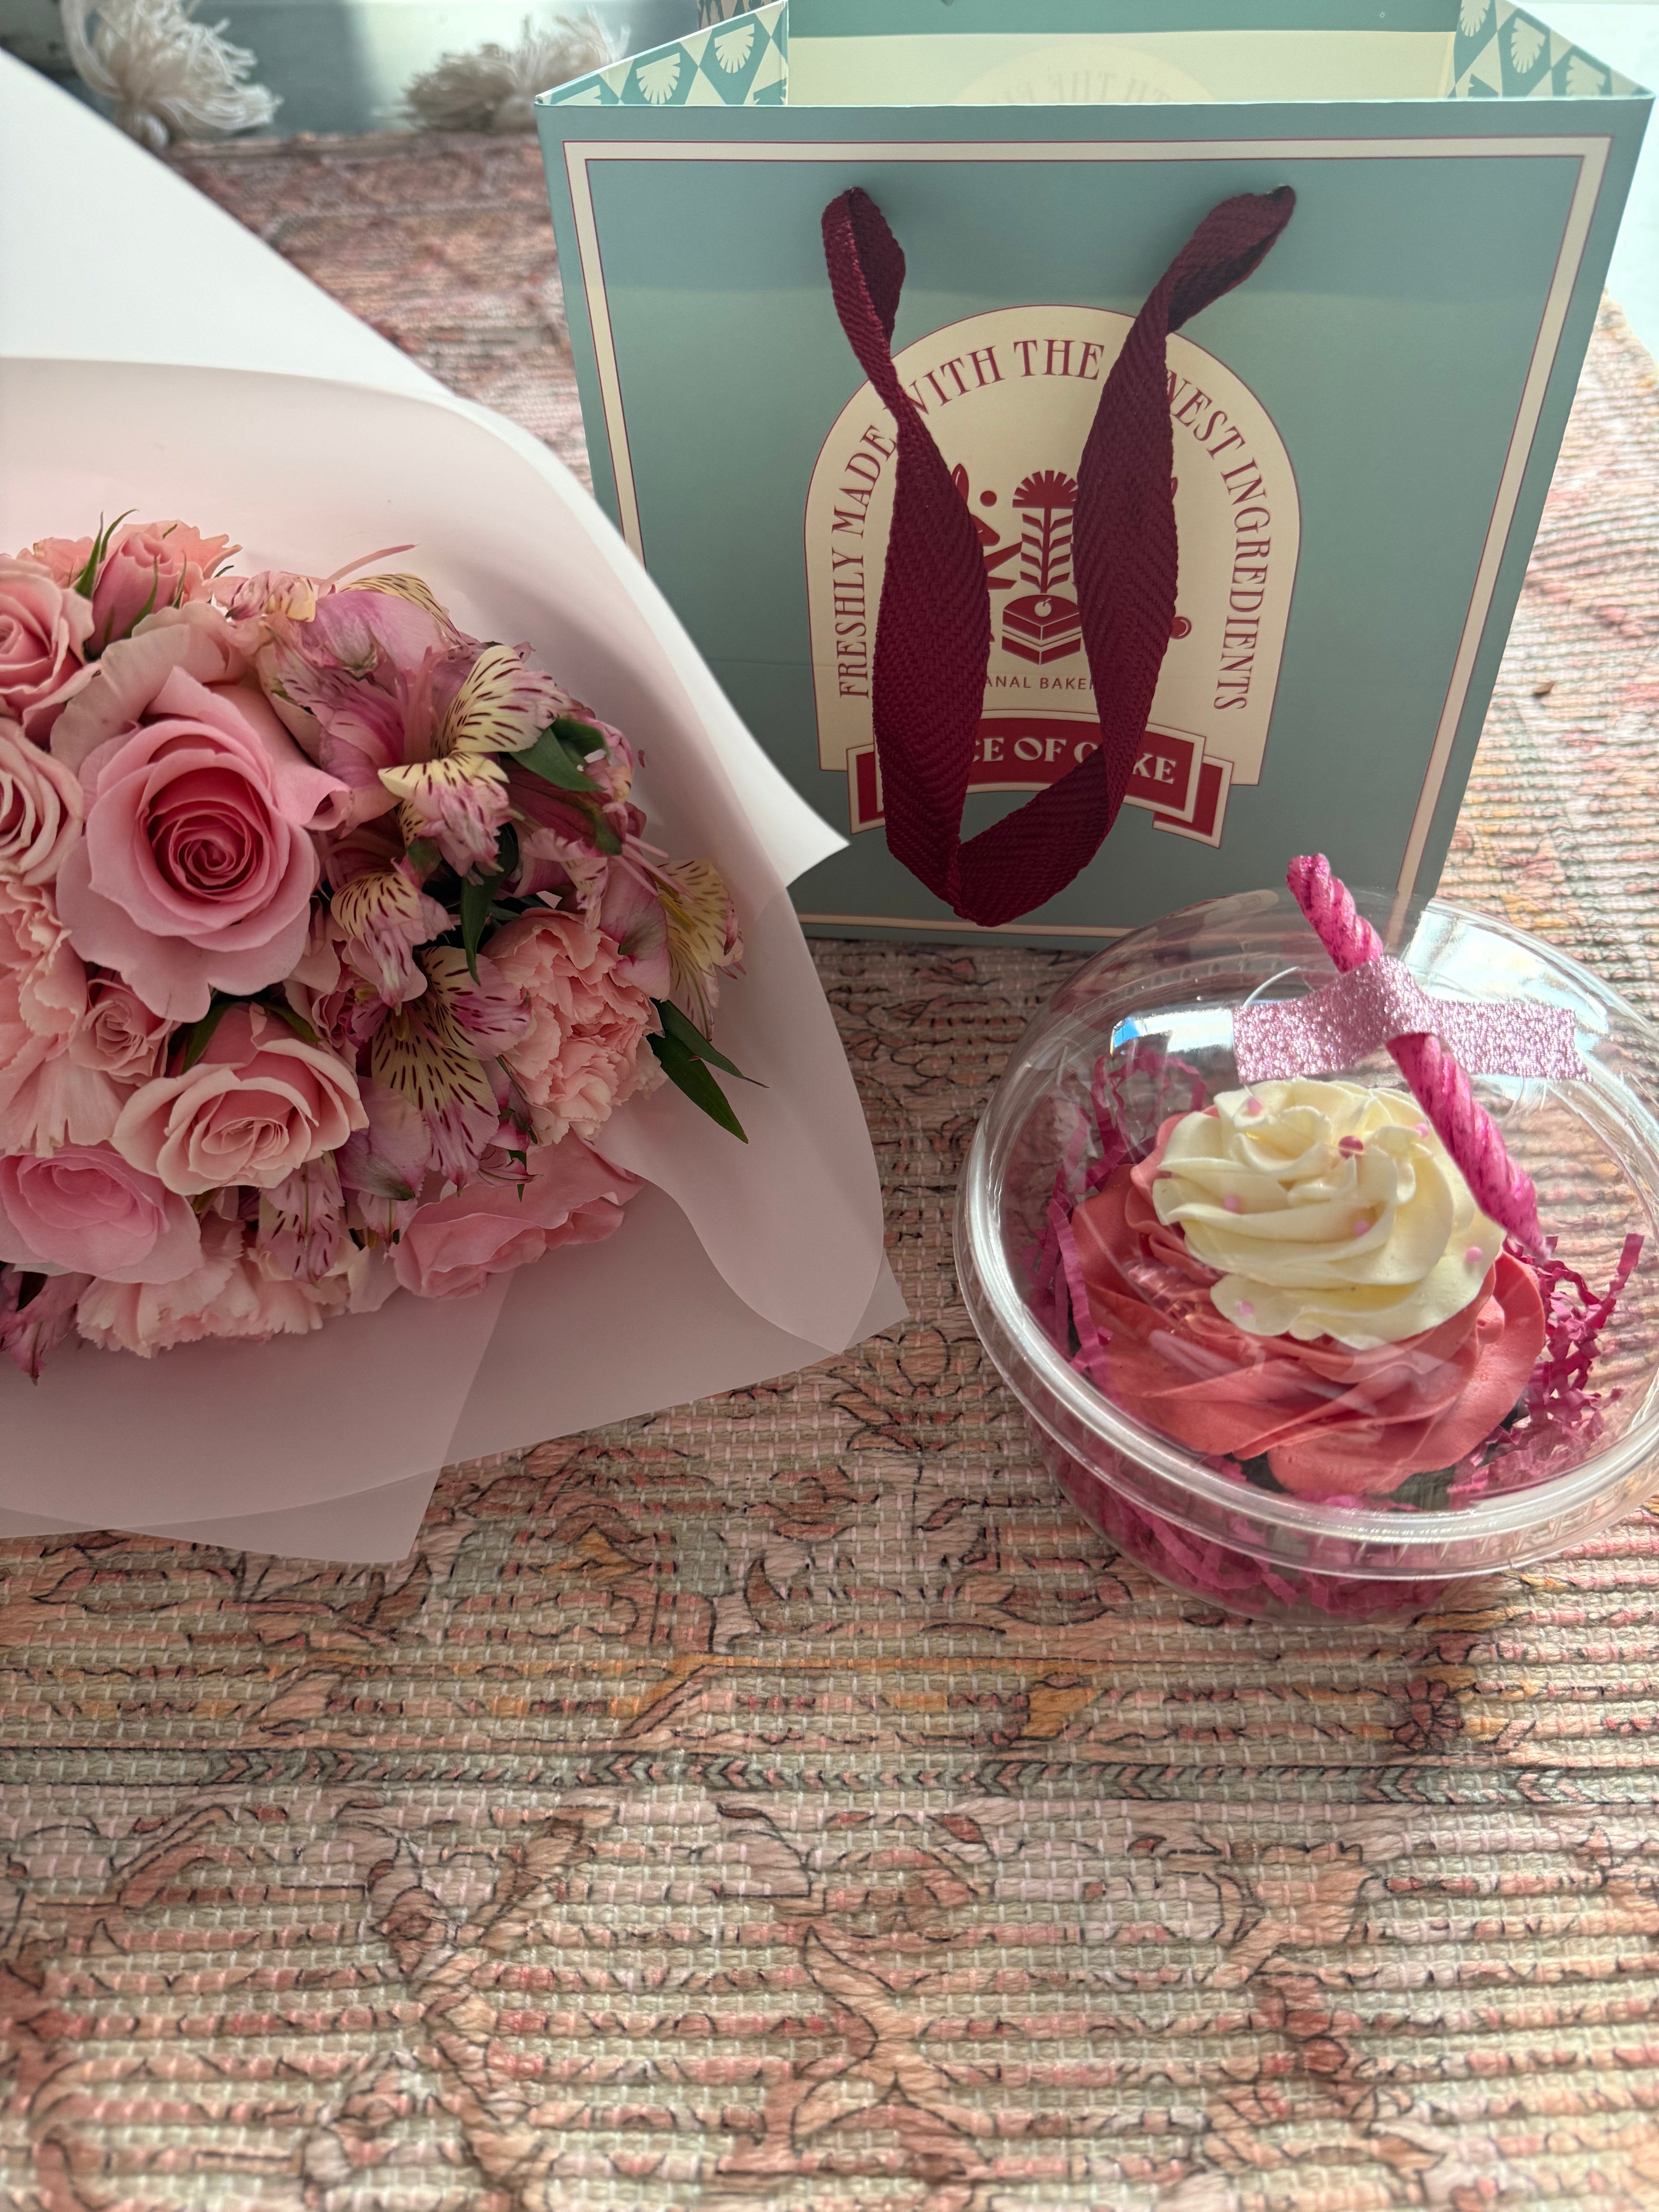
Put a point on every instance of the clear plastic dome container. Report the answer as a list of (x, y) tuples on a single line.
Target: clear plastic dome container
[(1266, 1343)]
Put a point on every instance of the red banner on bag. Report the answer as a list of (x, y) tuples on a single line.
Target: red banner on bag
[(1029, 752)]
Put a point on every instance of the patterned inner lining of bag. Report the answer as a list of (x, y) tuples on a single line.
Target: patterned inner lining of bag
[(739, 58)]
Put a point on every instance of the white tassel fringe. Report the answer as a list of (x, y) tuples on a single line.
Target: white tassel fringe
[(494, 88), (167, 76)]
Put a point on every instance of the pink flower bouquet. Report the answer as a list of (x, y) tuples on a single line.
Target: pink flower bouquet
[(330, 939)]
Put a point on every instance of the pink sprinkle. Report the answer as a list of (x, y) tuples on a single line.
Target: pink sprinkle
[(1252, 1105), (1232, 1202), (1423, 1130), (1474, 1257), (1245, 1310), (1361, 1226), (1351, 1143)]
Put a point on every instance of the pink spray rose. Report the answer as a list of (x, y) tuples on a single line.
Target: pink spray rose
[(63, 558), (583, 1054), (226, 1294), (87, 1210), (44, 628), (567, 1195), (41, 809), (197, 870), (259, 1104), (196, 639), (150, 566), (117, 1033)]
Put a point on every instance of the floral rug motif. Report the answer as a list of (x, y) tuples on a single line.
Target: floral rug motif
[(785, 1801)]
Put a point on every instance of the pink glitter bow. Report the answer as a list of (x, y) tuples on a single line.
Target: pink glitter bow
[(1374, 1005)]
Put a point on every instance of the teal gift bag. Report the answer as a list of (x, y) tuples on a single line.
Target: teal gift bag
[(1360, 432)]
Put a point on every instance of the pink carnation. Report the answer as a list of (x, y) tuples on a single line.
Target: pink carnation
[(46, 1098), (225, 1295), (583, 1053), (258, 1106), (568, 1195), (44, 629), (196, 872)]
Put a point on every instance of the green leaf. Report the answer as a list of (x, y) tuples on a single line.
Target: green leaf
[(684, 1070), (580, 739), (200, 1035), (88, 576), (148, 607), (690, 1038), (285, 1013), (475, 899), (423, 856), (548, 759)]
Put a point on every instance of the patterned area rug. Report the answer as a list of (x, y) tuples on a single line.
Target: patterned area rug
[(785, 1801)]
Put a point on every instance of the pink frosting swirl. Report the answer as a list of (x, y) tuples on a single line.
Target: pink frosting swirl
[(1332, 1422)]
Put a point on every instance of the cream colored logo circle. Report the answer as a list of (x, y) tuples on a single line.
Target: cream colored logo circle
[(1084, 72)]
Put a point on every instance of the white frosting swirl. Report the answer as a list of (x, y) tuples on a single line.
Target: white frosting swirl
[(1327, 1210)]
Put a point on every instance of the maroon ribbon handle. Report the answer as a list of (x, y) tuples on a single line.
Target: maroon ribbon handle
[(933, 635)]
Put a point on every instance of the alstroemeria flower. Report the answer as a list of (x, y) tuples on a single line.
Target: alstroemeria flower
[(704, 939), (421, 1050), (453, 789), (393, 699), (383, 914), (30, 1333)]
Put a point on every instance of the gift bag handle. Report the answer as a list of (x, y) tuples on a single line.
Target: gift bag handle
[(934, 634)]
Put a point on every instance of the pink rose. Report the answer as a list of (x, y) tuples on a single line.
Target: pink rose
[(118, 1033), (225, 1295), (196, 870), (258, 1105), (86, 1210), (569, 1196), (63, 558), (41, 809), (150, 566), (44, 628), (197, 639), (582, 1053)]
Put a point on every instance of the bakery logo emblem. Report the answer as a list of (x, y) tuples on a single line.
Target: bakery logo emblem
[(1010, 398)]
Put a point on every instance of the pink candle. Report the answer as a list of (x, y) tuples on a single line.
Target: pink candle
[(1439, 1085)]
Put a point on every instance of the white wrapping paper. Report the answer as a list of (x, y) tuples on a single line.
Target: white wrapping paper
[(185, 369)]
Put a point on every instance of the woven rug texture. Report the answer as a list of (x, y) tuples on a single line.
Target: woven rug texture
[(785, 1800)]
